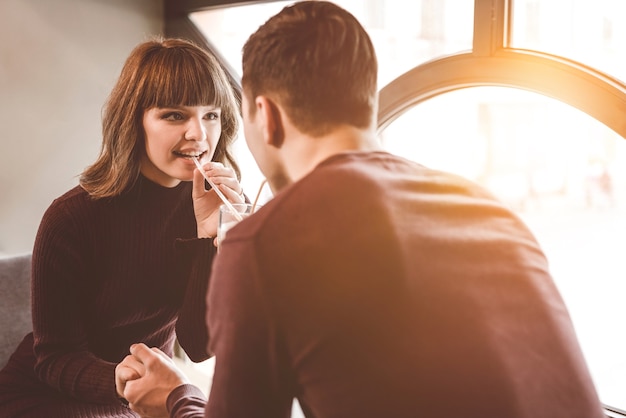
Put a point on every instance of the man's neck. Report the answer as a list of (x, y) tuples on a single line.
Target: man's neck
[(303, 153)]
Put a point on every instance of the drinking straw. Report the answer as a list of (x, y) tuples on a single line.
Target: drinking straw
[(219, 193), (258, 195)]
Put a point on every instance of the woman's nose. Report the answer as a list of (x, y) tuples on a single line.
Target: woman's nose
[(195, 130)]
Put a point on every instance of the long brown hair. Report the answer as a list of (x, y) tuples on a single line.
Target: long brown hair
[(158, 73)]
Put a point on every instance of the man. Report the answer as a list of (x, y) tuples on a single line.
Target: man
[(370, 286)]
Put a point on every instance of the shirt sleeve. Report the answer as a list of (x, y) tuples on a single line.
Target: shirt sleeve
[(249, 378), (186, 401), (191, 328), (63, 359)]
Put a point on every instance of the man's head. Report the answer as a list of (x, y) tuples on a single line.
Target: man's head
[(317, 62)]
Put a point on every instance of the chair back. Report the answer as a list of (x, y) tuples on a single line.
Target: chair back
[(15, 313)]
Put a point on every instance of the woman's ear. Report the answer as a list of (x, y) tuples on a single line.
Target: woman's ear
[(271, 119)]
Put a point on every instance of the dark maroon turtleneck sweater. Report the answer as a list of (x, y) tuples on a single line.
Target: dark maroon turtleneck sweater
[(106, 274)]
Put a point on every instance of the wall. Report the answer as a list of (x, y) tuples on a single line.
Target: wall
[(58, 61)]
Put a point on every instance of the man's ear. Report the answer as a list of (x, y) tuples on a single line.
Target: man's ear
[(272, 122)]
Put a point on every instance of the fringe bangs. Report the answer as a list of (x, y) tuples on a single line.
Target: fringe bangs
[(174, 78)]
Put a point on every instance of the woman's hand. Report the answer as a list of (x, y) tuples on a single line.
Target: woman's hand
[(129, 369), (206, 203)]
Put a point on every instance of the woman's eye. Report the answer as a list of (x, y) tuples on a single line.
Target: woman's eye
[(212, 116), (172, 116)]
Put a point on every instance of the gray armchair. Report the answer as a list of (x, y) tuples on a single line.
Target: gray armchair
[(15, 314)]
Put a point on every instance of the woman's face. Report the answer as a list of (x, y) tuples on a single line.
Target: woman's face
[(173, 136)]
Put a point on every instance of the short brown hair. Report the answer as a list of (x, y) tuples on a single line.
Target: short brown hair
[(158, 73), (316, 59)]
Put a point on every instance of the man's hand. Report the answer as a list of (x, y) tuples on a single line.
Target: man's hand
[(147, 394)]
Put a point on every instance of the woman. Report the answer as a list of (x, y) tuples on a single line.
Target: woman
[(125, 256)]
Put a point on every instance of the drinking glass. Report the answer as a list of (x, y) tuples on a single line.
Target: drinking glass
[(228, 219)]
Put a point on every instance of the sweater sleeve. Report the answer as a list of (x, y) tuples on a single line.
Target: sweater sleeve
[(59, 284), (186, 401), (191, 328)]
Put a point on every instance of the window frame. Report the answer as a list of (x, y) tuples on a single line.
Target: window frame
[(492, 62)]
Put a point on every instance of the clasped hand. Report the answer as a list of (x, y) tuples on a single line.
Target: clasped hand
[(145, 378)]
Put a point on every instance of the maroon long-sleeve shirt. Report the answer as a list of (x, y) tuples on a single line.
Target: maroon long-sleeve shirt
[(375, 287), (106, 274)]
